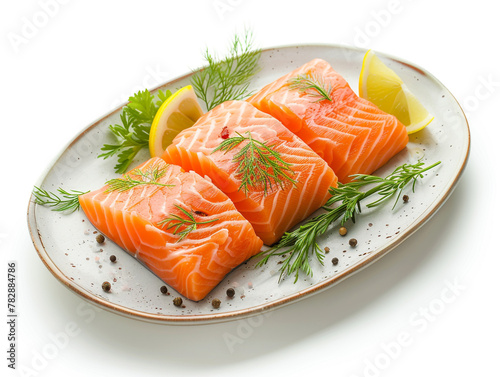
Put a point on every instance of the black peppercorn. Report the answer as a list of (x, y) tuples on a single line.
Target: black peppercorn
[(106, 286), (112, 258), (230, 292), (177, 301), (335, 261), (216, 303), (353, 242), (99, 238), (327, 250), (406, 198), (163, 289)]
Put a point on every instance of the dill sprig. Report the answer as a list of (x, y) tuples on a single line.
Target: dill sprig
[(177, 222), (68, 201), (302, 242), (228, 78), (312, 85), (133, 132), (150, 176), (259, 165)]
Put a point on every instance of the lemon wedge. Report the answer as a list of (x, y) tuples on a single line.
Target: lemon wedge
[(382, 86), (179, 111)]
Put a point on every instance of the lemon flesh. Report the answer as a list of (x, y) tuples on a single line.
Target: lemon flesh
[(382, 86), (179, 111)]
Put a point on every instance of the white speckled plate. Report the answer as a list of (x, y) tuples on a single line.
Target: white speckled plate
[(67, 246)]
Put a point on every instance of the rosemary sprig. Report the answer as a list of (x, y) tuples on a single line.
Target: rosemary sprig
[(133, 134), (228, 78), (302, 242), (67, 202), (259, 165), (150, 176), (177, 222), (312, 85)]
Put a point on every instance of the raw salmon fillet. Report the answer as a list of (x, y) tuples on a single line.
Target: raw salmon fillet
[(194, 265), (271, 213), (353, 135)]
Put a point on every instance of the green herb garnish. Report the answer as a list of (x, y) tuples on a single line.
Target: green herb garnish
[(312, 85), (177, 222), (133, 134), (228, 78), (259, 165), (150, 176), (67, 202), (302, 242)]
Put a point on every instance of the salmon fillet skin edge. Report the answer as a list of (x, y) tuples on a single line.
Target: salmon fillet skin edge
[(350, 133), (192, 265), (271, 213)]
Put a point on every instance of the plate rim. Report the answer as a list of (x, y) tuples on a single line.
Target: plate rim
[(200, 319)]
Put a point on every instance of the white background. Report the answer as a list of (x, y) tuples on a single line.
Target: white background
[(87, 56)]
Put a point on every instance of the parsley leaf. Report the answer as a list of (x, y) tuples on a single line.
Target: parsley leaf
[(133, 134)]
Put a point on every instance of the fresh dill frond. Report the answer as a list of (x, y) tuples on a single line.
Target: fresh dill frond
[(68, 201), (150, 176), (299, 244), (312, 85), (133, 133), (227, 78), (177, 222), (259, 165)]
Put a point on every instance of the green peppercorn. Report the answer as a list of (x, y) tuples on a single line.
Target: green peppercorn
[(216, 303), (177, 301), (106, 286), (164, 289), (99, 238), (230, 292), (342, 230), (353, 242)]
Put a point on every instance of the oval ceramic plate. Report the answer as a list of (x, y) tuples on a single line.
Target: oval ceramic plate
[(66, 242)]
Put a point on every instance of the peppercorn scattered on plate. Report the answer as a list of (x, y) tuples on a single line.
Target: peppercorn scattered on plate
[(107, 276)]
